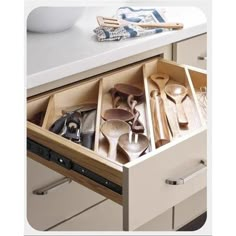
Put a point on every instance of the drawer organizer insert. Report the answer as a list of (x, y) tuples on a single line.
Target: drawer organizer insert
[(70, 154)]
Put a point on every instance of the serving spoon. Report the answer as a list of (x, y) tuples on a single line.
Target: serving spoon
[(132, 149), (112, 130), (177, 93)]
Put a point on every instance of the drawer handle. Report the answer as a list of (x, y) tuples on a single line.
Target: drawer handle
[(201, 58), (182, 180), (52, 186)]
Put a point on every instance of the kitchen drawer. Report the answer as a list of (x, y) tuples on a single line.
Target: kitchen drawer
[(190, 209), (64, 201), (147, 186), (192, 51), (107, 216)]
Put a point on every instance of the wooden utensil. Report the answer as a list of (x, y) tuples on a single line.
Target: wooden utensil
[(161, 79), (131, 149), (112, 130), (133, 95), (115, 23), (118, 114), (160, 125), (177, 93)]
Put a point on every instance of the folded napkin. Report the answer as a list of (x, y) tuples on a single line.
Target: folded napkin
[(131, 30)]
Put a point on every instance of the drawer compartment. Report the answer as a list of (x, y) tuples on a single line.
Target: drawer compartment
[(143, 186)]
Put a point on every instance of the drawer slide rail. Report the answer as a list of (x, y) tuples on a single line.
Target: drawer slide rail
[(57, 158)]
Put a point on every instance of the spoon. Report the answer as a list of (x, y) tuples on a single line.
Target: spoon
[(160, 80), (125, 90), (177, 93), (112, 130), (118, 114), (131, 149)]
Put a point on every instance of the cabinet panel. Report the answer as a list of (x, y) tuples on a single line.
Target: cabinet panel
[(189, 209), (192, 51), (44, 211), (159, 223), (107, 216)]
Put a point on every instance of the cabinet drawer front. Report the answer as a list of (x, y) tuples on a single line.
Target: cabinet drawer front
[(190, 209), (44, 211), (146, 193), (192, 51), (106, 216)]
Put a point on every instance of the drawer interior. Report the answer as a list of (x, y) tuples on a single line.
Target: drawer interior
[(43, 111)]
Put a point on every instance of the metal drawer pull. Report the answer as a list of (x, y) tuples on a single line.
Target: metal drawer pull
[(182, 180), (201, 58), (52, 186)]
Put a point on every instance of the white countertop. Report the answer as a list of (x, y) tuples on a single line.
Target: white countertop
[(50, 57)]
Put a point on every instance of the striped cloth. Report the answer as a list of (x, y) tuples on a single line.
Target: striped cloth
[(130, 30)]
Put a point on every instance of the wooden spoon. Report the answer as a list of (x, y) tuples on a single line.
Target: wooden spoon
[(160, 80), (177, 93), (131, 149), (118, 114), (112, 130), (125, 90)]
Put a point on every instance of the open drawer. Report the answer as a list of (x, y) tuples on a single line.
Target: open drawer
[(148, 185)]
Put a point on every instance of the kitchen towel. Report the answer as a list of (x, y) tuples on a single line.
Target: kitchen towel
[(130, 30)]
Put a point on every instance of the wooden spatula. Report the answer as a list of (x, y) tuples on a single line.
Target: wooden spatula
[(112, 22)]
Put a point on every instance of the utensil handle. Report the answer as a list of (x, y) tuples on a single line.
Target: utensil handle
[(182, 119), (161, 131), (112, 149), (166, 25)]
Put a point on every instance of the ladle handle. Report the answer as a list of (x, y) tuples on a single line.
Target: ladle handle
[(160, 125), (182, 119), (112, 149)]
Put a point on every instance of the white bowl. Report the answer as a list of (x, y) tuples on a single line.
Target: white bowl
[(53, 19)]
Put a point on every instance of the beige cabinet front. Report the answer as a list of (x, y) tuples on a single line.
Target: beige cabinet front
[(51, 205), (192, 51)]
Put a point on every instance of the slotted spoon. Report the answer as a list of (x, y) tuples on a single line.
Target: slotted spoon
[(115, 23)]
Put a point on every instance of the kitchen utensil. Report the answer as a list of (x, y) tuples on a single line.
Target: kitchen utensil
[(116, 23), (137, 126), (71, 128), (117, 114), (87, 130), (133, 95), (177, 93), (115, 98), (112, 130), (131, 149), (160, 80), (124, 90), (59, 124), (160, 125)]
